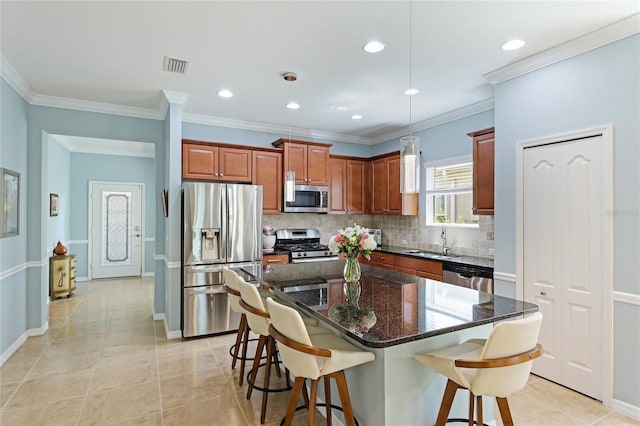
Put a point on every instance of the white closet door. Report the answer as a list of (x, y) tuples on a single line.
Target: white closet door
[(563, 258), (116, 230)]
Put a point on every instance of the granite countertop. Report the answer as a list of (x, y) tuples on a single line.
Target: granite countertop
[(406, 307), (424, 254)]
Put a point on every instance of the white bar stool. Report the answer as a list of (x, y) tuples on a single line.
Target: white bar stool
[(497, 366), (311, 356)]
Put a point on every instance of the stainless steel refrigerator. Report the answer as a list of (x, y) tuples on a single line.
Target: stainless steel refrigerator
[(221, 226)]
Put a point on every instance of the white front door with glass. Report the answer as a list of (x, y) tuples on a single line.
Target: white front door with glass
[(115, 230)]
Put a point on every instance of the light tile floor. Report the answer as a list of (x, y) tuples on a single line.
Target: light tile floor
[(105, 361)]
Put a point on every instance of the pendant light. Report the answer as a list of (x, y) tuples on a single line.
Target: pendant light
[(290, 175), (409, 153)]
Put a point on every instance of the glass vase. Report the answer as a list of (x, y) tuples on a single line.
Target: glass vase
[(352, 270), (351, 293)]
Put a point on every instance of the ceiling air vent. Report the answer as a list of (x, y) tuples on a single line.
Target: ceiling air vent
[(175, 65)]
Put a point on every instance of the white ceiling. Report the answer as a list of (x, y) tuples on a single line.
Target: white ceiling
[(112, 52)]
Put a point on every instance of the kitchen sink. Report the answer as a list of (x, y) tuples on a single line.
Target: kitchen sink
[(429, 254), (413, 251)]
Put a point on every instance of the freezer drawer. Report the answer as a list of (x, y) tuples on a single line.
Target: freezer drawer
[(206, 311)]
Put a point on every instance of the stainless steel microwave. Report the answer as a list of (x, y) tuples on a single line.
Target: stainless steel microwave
[(308, 199)]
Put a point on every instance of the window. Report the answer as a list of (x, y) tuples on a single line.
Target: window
[(450, 192)]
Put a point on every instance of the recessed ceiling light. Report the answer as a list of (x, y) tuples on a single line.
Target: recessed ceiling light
[(411, 92), (373, 47), (513, 44), (293, 105), (225, 93), (356, 117)]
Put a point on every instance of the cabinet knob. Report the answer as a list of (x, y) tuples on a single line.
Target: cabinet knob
[(216, 174), (221, 174)]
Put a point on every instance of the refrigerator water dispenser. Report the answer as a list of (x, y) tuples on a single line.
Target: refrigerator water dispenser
[(210, 240)]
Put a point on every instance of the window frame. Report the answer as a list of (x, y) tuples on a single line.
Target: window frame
[(429, 194)]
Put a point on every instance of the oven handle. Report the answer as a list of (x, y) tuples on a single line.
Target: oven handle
[(313, 259)]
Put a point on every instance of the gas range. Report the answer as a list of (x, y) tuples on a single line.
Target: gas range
[(303, 244)]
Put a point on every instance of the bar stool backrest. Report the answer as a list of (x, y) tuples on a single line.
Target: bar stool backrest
[(231, 281), (249, 293), (507, 339), (289, 323)]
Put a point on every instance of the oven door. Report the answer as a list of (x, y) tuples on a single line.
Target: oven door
[(314, 296)]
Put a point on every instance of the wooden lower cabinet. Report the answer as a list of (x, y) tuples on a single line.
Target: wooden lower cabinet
[(62, 275), (275, 259), (424, 268), (380, 259)]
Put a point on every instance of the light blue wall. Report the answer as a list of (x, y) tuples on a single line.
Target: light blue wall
[(58, 170), (41, 122), (263, 139), (13, 250), (110, 168), (598, 87)]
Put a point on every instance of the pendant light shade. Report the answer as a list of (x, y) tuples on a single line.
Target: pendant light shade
[(409, 165), (289, 187)]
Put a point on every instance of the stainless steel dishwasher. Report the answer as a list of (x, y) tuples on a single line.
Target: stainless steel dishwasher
[(476, 277)]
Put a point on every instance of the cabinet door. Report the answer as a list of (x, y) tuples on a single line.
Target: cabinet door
[(199, 162), (234, 165), (317, 165), (483, 173), (338, 186), (378, 186), (59, 276), (267, 171), (356, 189), (394, 197), (295, 159)]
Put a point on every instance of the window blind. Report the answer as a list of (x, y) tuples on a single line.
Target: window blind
[(450, 179)]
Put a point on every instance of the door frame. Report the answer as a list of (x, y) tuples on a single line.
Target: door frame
[(606, 132), (90, 219)]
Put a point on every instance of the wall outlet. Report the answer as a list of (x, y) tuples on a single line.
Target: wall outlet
[(403, 242)]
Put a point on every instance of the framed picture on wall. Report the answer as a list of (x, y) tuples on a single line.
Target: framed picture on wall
[(9, 203), (54, 205)]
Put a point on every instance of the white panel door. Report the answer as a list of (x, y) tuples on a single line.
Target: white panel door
[(563, 258), (116, 230)]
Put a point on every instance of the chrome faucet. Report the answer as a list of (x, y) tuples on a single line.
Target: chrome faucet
[(443, 238)]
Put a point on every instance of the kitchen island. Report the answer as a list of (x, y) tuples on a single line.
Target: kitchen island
[(412, 315)]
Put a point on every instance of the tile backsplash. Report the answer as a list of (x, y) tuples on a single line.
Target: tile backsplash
[(395, 229)]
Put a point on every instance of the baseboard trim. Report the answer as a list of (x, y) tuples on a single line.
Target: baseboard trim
[(14, 347), (38, 331), (82, 279), (504, 276), (148, 274), (158, 317), (626, 409), (176, 334)]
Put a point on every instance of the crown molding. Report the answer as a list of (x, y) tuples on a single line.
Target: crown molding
[(64, 141), (609, 34), (447, 117), (14, 80), (272, 128), (111, 147), (99, 107)]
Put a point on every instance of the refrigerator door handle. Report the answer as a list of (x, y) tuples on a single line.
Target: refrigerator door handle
[(212, 291)]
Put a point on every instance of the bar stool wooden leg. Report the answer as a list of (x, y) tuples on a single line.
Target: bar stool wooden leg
[(244, 349), (256, 364), (447, 401), (312, 401), (472, 399), (505, 412), (343, 390), (267, 376), (479, 409), (239, 336), (298, 385), (327, 398)]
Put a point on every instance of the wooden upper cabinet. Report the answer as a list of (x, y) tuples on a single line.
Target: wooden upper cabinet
[(386, 197), (337, 185), (267, 171), (210, 162), (234, 165), (483, 171), (199, 162), (347, 186), (309, 160)]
